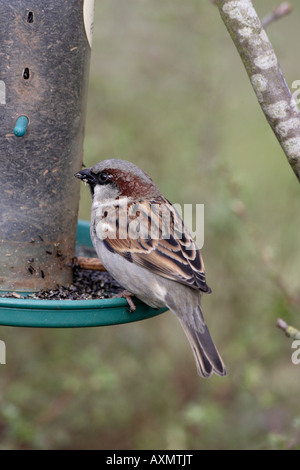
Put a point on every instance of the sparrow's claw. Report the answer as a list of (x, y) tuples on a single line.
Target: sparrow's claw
[(127, 295)]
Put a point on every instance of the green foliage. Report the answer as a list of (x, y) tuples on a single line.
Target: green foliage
[(168, 92)]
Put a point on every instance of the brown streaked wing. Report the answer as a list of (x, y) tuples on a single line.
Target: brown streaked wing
[(174, 258)]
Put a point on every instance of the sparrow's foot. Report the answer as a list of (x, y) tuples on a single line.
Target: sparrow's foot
[(127, 295)]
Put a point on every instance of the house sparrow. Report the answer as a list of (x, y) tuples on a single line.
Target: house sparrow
[(143, 243)]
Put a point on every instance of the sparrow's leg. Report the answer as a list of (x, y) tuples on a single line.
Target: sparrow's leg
[(127, 295)]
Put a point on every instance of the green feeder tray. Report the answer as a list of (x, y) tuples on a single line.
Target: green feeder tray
[(72, 313)]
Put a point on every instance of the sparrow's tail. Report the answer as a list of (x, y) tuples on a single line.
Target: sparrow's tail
[(208, 360)]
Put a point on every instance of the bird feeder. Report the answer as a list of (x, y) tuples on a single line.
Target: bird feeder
[(45, 56)]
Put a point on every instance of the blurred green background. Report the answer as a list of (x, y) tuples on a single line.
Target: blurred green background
[(168, 92)]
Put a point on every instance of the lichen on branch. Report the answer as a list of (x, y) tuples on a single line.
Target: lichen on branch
[(266, 77)]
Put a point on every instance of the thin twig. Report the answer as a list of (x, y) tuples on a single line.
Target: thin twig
[(290, 331), (266, 77), (278, 12), (89, 263)]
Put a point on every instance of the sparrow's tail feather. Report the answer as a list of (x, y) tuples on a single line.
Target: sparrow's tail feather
[(207, 357)]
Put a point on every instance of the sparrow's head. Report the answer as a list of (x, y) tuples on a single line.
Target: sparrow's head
[(114, 178)]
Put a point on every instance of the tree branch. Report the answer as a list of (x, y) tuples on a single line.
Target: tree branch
[(266, 77)]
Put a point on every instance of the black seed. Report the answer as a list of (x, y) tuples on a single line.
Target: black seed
[(86, 284)]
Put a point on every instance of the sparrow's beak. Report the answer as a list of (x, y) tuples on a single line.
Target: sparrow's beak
[(86, 176)]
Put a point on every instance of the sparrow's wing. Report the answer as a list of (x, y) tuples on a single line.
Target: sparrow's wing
[(157, 239)]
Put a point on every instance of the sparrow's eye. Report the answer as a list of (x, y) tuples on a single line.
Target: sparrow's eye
[(103, 178)]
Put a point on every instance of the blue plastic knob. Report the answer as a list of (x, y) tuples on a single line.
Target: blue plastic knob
[(21, 126)]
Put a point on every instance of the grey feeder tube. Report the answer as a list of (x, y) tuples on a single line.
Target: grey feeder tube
[(44, 68)]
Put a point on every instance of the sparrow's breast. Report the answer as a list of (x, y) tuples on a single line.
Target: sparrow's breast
[(147, 286)]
